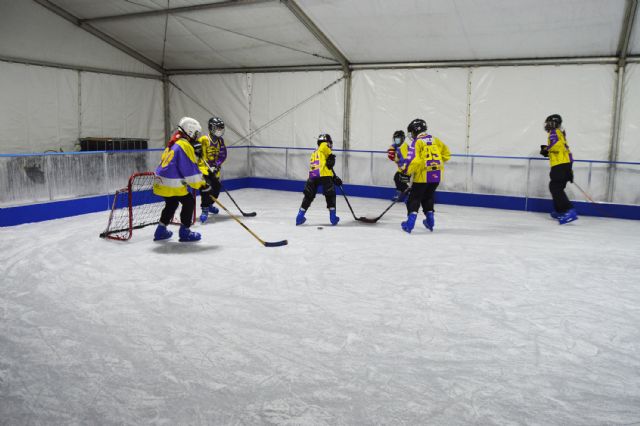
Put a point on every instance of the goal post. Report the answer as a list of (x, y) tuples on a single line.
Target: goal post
[(134, 207)]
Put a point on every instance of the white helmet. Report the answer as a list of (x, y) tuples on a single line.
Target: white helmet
[(190, 127)]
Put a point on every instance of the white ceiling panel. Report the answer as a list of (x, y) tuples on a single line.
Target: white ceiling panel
[(433, 30), (266, 34)]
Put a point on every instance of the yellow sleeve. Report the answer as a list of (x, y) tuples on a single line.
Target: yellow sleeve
[(444, 150), (324, 149)]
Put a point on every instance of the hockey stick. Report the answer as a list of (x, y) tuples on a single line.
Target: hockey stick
[(263, 242), (595, 204), (346, 199), (251, 214), (369, 220)]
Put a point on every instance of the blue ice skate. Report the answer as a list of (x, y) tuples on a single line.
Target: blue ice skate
[(162, 233), (567, 217), (407, 226), (205, 213), (332, 217), (186, 235), (555, 215), (300, 219), (430, 221)]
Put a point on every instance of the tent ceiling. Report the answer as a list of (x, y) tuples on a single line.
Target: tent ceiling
[(266, 33)]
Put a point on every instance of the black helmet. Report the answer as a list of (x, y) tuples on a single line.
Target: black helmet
[(216, 123), (554, 121), (416, 127), (325, 137), (398, 137)]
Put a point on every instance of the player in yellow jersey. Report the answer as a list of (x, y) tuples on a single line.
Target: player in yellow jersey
[(321, 165), (424, 162), (561, 161), (213, 154)]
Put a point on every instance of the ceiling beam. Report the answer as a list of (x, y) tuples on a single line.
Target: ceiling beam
[(601, 60), (47, 64), (627, 29), (96, 32), (173, 10), (240, 70), (317, 32)]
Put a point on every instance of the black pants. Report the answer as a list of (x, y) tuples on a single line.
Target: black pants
[(560, 174), (400, 186), (216, 186), (171, 205), (422, 194), (311, 188)]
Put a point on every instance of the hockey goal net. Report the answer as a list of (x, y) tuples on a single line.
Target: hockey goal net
[(134, 207)]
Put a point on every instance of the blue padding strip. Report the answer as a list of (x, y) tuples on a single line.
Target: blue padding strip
[(58, 209)]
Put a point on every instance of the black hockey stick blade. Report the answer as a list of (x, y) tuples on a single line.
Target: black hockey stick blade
[(276, 243), (250, 214), (370, 220), (367, 220)]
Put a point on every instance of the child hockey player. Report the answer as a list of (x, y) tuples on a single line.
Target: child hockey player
[(321, 173), (424, 161), (560, 160), (214, 153), (396, 153), (178, 168)]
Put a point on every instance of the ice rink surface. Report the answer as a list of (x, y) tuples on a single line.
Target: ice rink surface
[(498, 317)]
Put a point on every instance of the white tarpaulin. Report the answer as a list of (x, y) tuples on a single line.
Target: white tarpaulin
[(203, 96), (116, 106), (39, 108)]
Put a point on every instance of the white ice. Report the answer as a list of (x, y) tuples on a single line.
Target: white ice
[(497, 317)]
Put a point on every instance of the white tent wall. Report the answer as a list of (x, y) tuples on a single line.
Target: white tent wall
[(504, 109), (627, 176), (387, 100), (223, 95), (123, 107), (265, 110), (39, 108), (508, 108), (291, 109), (29, 31)]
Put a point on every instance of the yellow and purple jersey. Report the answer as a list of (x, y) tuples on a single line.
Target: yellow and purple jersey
[(425, 159), (558, 149), (214, 153), (318, 162), (178, 168)]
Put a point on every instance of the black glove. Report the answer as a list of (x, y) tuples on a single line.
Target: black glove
[(213, 170), (331, 161), (337, 180), (404, 178), (197, 148), (205, 189), (571, 176), (544, 150)]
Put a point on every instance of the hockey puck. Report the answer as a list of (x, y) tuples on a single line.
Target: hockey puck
[(319, 227)]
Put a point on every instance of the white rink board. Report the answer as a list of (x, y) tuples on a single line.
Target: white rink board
[(497, 317)]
